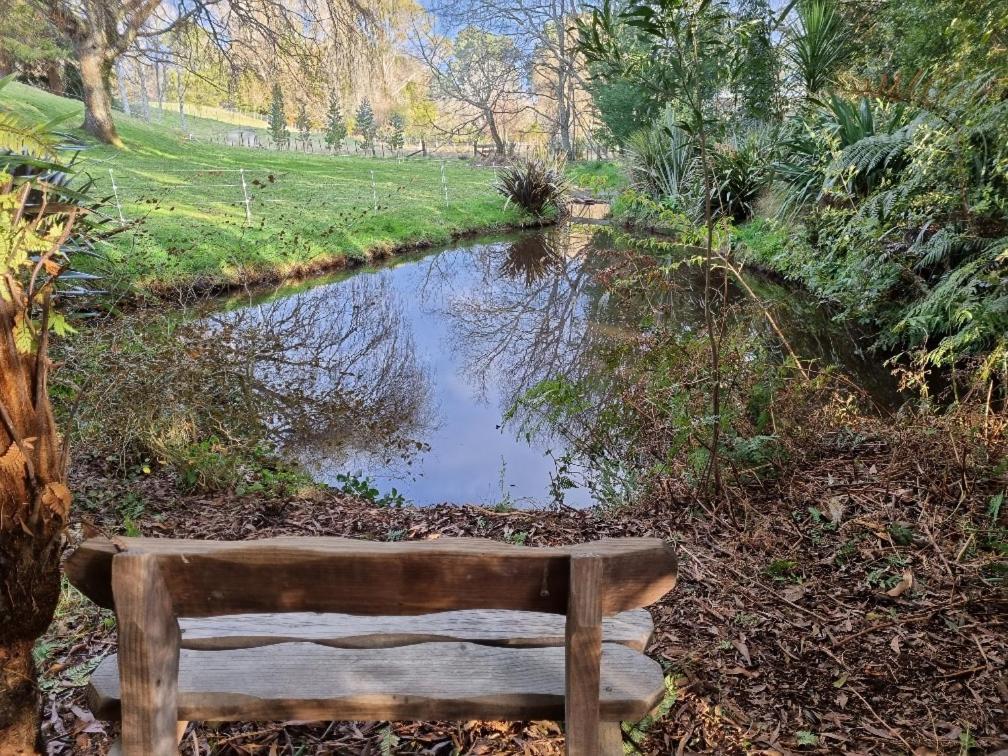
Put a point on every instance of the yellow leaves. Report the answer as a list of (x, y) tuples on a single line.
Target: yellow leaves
[(24, 334), (22, 238)]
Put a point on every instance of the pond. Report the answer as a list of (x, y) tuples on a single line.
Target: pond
[(402, 374)]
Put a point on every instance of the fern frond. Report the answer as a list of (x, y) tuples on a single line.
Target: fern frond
[(18, 136)]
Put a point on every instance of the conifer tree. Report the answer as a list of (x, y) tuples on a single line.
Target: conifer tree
[(336, 128), (278, 119), (398, 136), (304, 124), (367, 126)]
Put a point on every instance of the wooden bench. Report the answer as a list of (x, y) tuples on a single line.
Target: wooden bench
[(337, 629)]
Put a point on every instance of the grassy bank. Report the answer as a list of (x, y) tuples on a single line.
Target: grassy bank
[(303, 213)]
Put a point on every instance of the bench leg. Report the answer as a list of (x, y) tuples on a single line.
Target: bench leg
[(180, 727), (610, 739)]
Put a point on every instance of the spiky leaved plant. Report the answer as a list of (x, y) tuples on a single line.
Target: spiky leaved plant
[(536, 184)]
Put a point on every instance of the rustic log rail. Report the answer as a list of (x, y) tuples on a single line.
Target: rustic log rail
[(331, 628)]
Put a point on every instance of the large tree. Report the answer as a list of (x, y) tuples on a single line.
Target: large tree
[(479, 74), (100, 31), (540, 31)]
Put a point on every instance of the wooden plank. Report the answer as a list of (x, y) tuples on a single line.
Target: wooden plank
[(454, 681), (149, 648), (490, 627), (208, 578), (610, 739), (583, 648)]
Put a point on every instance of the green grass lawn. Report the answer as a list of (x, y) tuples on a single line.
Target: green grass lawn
[(598, 176), (308, 212)]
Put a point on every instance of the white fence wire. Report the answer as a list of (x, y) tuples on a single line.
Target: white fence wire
[(252, 192)]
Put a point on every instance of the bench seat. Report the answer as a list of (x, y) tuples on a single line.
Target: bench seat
[(489, 627), (308, 681)]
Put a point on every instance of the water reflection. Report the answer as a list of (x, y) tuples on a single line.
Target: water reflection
[(335, 373), (403, 373)]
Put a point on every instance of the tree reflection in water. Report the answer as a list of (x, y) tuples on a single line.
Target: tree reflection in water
[(334, 375), (405, 374)]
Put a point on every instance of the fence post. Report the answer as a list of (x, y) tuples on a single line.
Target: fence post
[(444, 184), (248, 210), (374, 192), (115, 191)]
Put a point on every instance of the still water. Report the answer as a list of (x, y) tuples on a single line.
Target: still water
[(402, 374)]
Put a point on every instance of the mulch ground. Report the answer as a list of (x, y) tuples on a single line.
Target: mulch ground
[(856, 605)]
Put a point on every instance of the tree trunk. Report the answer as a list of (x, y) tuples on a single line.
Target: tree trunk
[(55, 78), (144, 97), (6, 63), (123, 94), (494, 133), (563, 103), (94, 70), (34, 504)]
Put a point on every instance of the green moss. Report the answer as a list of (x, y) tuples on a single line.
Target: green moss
[(309, 211)]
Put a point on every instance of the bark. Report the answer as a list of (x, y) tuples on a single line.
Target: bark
[(144, 97), (19, 701), (123, 94), (494, 133), (93, 58), (56, 79), (563, 104), (34, 503)]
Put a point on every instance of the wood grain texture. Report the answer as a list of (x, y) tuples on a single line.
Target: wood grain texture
[(306, 681), (583, 649), (610, 739), (209, 578), (489, 627), (149, 649)]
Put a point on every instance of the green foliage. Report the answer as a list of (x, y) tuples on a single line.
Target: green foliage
[(364, 488), (905, 201), (336, 128), (597, 176), (278, 130), (742, 165), (622, 108), (783, 570), (961, 39), (819, 45), (303, 124), (662, 163), (535, 184), (806, 738), (366, 125), (758, 64), (397, 137)]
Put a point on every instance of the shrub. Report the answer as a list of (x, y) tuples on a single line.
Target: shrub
[(535, 184), (742, 170)]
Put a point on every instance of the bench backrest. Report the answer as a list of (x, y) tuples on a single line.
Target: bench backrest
[(153, 582), (208, 578)]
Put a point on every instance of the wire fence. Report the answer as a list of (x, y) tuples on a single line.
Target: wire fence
[(251, 193)]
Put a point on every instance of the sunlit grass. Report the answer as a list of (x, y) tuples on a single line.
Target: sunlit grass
[(308, 211)]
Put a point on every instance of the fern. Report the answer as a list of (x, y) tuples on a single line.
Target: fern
[(19, 136)]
